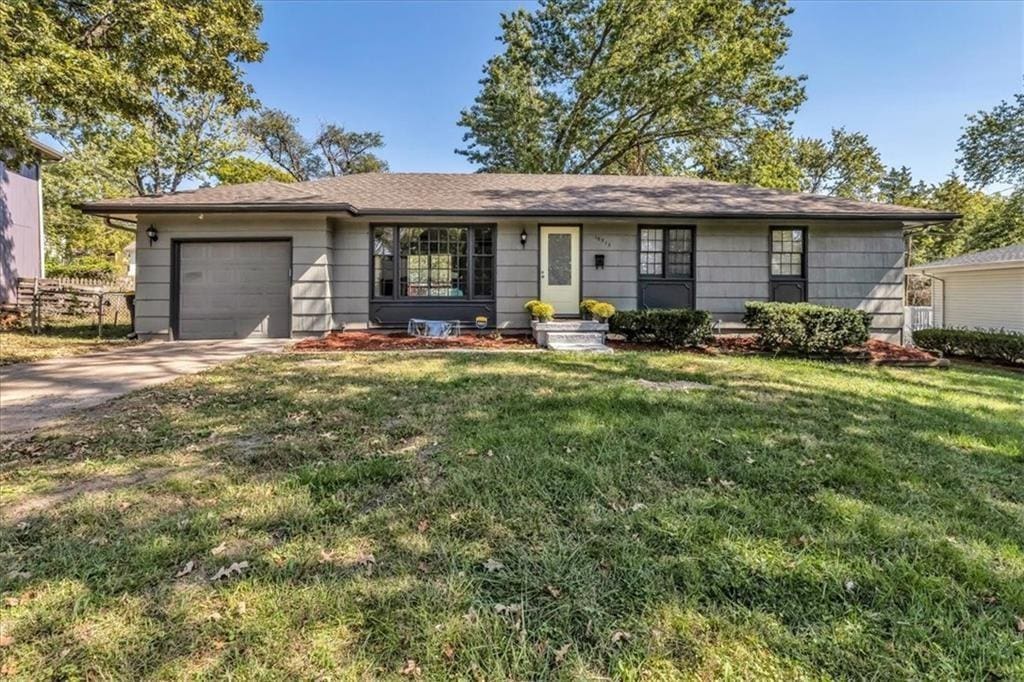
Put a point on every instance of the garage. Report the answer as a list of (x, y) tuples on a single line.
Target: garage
[(232, 289)]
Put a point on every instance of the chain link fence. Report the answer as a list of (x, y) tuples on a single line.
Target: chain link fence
[(106, 307)]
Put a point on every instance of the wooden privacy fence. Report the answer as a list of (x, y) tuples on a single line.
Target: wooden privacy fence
[(106, 301)]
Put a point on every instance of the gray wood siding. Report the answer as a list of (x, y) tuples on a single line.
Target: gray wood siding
[(858, 265), (311, 277), (616, 283), (516, 272), (732, 267), (351, 274)]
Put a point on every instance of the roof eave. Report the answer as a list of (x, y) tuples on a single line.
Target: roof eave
[(102, 208), (964, 267)]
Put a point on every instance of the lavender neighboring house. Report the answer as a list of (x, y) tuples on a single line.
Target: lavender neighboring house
[(21, 220)]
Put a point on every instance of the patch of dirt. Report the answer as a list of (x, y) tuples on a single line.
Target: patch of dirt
[(344, 341), (881, 351)]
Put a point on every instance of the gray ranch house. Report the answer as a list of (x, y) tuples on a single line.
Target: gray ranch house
[(374, 250)]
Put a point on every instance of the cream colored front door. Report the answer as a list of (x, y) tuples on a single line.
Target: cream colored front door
[(560, 268)]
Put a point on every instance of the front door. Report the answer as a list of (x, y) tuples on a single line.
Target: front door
[(560, 268)]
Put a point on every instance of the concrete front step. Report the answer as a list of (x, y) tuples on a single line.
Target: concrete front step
[(575, 335)]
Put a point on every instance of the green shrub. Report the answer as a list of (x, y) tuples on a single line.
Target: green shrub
[(544, 312), (999, 345), (87, 267), (674, 328), (805, 327), (602, 311)]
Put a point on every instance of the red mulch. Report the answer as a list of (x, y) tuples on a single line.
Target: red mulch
[(381, 341), (889, 352)]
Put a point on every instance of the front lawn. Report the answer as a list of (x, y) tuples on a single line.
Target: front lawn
[(59, 340), (524, 516)]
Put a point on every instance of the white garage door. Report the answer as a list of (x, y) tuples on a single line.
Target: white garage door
[(234, 290)]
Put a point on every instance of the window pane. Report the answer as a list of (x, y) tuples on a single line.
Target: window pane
[(651, 252), (680, 253), (434, 261), (787, 252), (560, 259), (383, 262), (483, 261)]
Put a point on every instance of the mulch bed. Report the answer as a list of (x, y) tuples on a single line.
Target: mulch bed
[(340, 341), (874, 352)]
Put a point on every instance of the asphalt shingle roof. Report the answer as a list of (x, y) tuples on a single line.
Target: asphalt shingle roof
[(514, 194), (1007, 254)]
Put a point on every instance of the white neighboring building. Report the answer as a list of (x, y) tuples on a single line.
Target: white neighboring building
[(983, 290)]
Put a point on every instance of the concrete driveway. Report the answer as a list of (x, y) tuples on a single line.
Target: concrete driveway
[(37, 394)]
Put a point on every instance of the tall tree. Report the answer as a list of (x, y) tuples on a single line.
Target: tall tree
[(334, 151), (617, 86), (180, 143), (235, 170), (897, 186), (68, 64), (992, 145), (846, 165)]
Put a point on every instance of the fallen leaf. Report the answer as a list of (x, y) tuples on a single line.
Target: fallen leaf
[(423, 567), (849, 586), (449, 651), (637, 506), (11, 601), (750, 460), (471, 616), (124, 505), (719, 441), (23, 525), (489, 453), (219, 549), (240, 608), (326, 557), (6, 639), (186, 569), (509, 609), (1019, 624), (363, 559), (554, 591), (493, 565), (423, 525), (560, 653), (19, 575), (411, 669), (621, 636), (568, 450), (228, 571)]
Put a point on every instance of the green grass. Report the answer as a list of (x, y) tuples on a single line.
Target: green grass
[(59, 340), (531, 516)]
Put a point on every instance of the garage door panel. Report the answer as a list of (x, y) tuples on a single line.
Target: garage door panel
[(234, 290)]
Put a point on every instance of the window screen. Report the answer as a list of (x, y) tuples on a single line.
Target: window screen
[(787, 252), (666, 252)]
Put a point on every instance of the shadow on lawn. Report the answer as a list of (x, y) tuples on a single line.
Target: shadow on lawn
[(823, 529)]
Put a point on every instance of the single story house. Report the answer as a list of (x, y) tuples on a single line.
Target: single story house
[(374, 250), (22, 238), (981, 290)]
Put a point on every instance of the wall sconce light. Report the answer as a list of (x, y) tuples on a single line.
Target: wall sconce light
[(599, 261), (522, 238), (152, 234)]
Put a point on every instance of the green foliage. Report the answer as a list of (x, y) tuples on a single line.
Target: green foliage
[(87, 173), (85, 267), (72, 65), (674, 328), (999, 345), (334, 151), (635, 86), (992, 145), (845, 165), (807, 328), (236, 170)]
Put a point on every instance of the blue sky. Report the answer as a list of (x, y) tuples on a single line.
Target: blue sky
[(905, 73)]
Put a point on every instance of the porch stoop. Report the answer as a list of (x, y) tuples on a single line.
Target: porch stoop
[(574, 335)]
